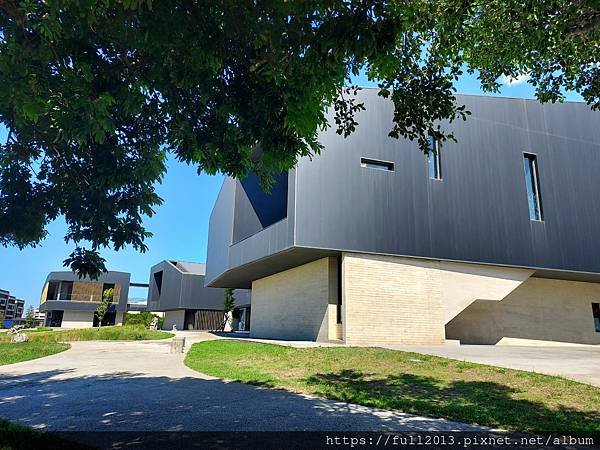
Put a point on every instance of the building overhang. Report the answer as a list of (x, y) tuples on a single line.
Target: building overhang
[(241, 277), (567, 275)]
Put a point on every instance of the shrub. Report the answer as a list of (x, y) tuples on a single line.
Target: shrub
[(143, 318)]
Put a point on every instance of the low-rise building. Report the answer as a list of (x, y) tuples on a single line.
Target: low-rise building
[(70, 302), (177, 289), (39, 317)]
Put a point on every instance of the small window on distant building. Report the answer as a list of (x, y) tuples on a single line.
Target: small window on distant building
[(434, 159), (377, 164), (596, 314), (532, 181)]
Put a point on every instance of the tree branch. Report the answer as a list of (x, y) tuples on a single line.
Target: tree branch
[(586, 26), (12, 10)]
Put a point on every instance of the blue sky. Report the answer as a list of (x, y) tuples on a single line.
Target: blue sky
[(180, 226)]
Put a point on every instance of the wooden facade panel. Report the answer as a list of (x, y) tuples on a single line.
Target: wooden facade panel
[(90, 291), (85, 291), (204, 319), (116, 293)]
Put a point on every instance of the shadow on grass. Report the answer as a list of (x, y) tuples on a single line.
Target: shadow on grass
[(476, 402)]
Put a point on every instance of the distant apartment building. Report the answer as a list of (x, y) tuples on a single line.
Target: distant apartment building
[(70, 302), (11, 308), (177, 289), (488, 240), (39, 317)]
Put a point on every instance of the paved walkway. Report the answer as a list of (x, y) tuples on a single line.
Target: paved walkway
[(137, 386), (576, 363)]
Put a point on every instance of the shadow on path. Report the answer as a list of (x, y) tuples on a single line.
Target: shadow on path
[(59, 400)]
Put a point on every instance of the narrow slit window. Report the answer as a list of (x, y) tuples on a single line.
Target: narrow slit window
[(434, 160), (377, 164), (596, 314), (532, 181), (339, 291)]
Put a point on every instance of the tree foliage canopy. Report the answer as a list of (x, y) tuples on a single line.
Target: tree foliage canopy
[(95, 93)]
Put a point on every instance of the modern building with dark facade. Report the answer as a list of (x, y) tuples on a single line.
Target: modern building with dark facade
[(177, 289), (493, 239), (70, 302), (11, 308)]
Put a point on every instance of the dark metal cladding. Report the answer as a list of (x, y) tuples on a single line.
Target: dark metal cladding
[(172, 287), (180, 285), (477, 212)]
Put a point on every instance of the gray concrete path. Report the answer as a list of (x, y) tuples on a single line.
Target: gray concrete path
[(136, 386), (576, 363)]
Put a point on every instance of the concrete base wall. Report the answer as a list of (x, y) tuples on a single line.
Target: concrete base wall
[(295, 304), (391, 300), (176, 317), (540, 310), (77, 319), (84, 319)]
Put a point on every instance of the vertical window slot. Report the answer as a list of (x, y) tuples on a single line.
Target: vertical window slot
[(532, 181)]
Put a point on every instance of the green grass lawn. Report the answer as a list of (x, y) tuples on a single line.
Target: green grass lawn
[(116, 333), (410, 382), (13, 353)]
